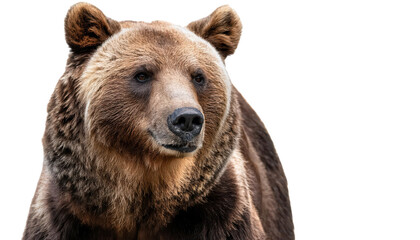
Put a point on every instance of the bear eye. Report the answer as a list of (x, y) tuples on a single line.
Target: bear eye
[(142, 77), (199, 78)]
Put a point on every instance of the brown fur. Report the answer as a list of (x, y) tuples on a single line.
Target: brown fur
[(106, 173), (87, 27), (222, 29)]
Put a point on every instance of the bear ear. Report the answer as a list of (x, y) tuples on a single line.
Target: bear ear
[(222, 29), (86, 27)]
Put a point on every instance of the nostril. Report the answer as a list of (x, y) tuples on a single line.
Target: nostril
[(197, 120), (180, 121)]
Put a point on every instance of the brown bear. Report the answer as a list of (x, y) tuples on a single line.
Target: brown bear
[(146, 138)]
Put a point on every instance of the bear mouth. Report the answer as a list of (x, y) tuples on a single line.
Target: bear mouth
[(186, 148)]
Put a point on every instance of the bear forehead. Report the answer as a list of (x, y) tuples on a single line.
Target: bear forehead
[(161, 41), (157, 43)]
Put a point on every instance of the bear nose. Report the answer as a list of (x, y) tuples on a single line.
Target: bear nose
[(186, 122)]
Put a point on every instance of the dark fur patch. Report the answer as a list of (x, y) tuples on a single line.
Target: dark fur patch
[(264, 146), (211, 219)]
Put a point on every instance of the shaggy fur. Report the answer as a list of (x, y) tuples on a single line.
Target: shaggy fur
[(106, 174)]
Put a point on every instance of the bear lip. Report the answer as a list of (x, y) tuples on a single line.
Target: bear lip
[(185, 147), (180, 148)]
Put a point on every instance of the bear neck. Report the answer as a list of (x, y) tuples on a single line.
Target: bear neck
[(97, 194)]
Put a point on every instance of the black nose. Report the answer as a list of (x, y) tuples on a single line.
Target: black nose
[(186, 122)]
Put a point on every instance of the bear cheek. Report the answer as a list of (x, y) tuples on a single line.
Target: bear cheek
[(117, 119), (214, 104)]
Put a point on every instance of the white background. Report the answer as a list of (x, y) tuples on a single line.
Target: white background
[(337, 84)]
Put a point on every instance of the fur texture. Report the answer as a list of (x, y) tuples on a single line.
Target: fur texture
[(107, 174)]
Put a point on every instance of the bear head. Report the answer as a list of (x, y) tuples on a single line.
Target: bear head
[(155, 88)]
